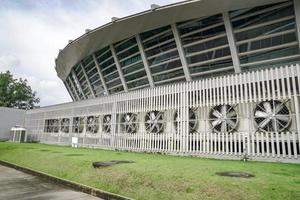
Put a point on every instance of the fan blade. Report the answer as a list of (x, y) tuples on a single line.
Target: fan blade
[(152, 115), (224, 110), (280, 123), (216, 122), (231, 114), (158, 127), (264, 123), (132, 117), (216, 114), (223, 127), (279, 107), (152, 126), (285, 118), (148, 126), (158, 116), (231, 123), (275, 126), (267, 107), (261, 114)]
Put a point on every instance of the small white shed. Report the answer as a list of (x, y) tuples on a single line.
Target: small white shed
[(18, 134)]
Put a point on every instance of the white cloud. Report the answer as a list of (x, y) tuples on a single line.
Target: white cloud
[(32, 32), (7, 61)]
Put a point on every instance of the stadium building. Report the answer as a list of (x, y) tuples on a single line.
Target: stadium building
[(207, 78)]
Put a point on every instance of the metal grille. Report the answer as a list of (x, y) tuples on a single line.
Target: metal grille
[(246, 93)]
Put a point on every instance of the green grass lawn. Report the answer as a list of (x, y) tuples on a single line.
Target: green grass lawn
[(154, 176)]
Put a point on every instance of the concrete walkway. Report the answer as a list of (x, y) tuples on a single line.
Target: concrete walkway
[(16, 185)]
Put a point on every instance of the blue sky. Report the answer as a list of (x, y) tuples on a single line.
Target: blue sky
[(33, 31)]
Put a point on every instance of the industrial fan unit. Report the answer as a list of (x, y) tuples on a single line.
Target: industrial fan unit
[(78, 124), (223, 118), (192, 120), (154, 122), (92, 124), (65, 125), (106, 126), (272, 116), (129, 123)]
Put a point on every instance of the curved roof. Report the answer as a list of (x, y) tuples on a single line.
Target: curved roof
[(131, 25)]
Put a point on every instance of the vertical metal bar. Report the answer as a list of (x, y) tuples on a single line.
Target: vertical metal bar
[(87, 80), (288, 140), (297, 18), (277, 145), (277, 84), (100, 74), (231, 42), (70, 91), (181, 52), (79, 86), (282, 83), (144, 59), (117, 63), (267, 74), (296, 100)]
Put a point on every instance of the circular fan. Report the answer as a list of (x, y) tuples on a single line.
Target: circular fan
[(192, 120), (154, 122), (272, 116), (64, 125), (107, 123), (223, 118), (129, 123), (78, 124), (92, 124)]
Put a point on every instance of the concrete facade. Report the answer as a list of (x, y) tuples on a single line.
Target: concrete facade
[(10, 117)]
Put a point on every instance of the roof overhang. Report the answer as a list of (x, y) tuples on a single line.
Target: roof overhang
[(131, 25)]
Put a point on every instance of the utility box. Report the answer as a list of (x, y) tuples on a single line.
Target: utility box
[(18, 134), (75, 142)]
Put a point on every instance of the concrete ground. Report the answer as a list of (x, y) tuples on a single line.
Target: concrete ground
[(16, 185)]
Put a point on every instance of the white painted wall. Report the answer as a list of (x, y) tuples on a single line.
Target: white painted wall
[(10, 117)]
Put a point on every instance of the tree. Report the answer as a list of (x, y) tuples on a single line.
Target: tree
[(16, 93)]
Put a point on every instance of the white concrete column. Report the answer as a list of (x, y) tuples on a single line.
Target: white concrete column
[(144, 59), (100, 74), (181, 53), (80, 88), (74, 89), (70, 91), (231, 42), (297, 18), (87, 80), (113, 52)]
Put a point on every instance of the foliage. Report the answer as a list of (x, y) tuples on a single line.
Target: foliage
[(16, 93), (154, 176)]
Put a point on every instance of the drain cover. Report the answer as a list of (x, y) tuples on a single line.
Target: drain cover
[(110, 163), (236, 174)]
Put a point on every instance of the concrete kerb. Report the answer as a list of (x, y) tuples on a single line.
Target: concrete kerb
[(70, 184)]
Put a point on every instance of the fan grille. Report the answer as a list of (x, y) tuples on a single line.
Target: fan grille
[(272, 116), (192, 120), (78, 124), (129, 123), (106, 123), (92, 124), (154, 122), (223, 118), (64, 125)]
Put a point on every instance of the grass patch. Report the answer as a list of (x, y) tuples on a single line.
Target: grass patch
[(154, 176), (45, 150), (74, 154)]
